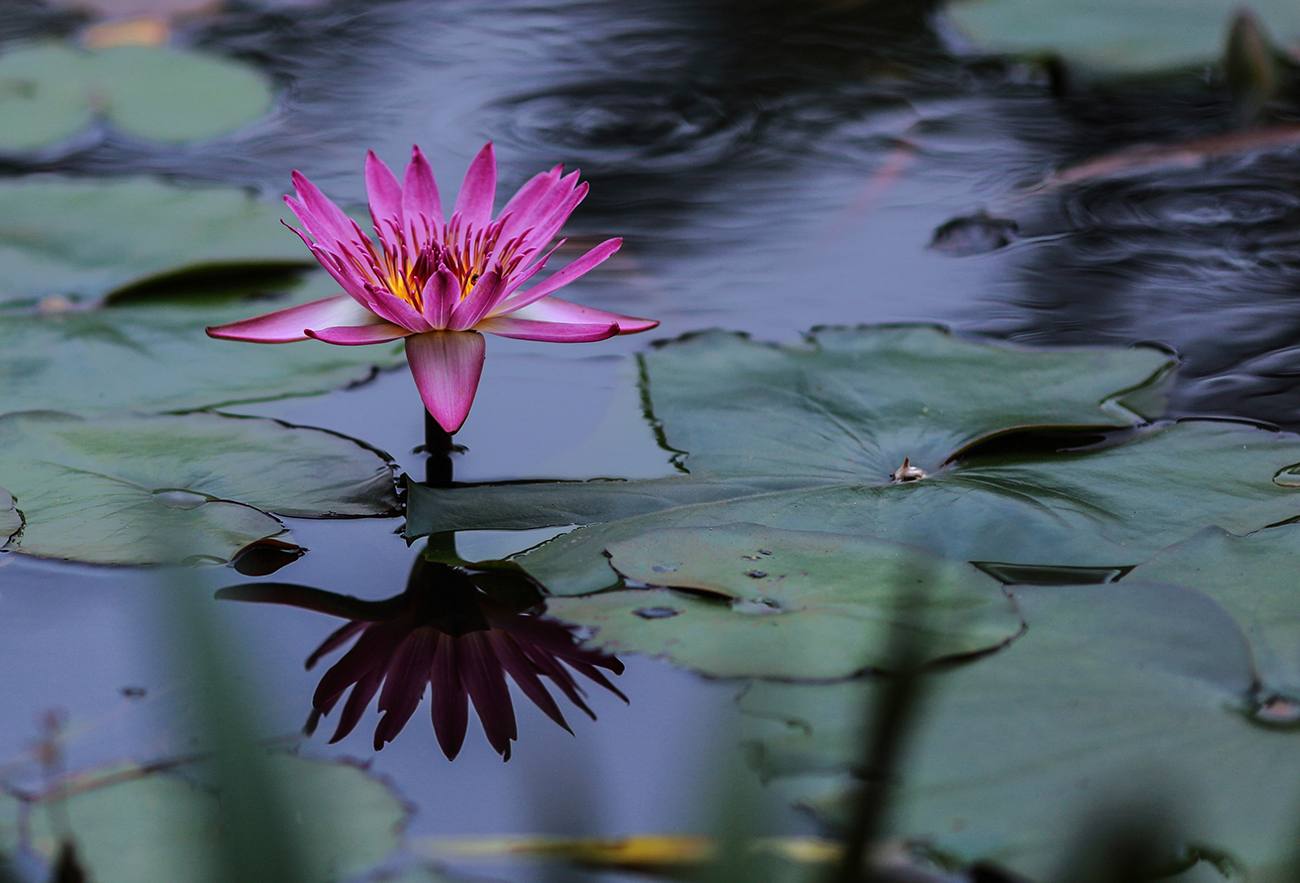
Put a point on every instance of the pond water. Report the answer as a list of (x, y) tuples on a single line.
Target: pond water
[(772, 167)]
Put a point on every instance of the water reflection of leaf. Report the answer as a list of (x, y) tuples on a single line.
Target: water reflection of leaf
[(103, 489), (460, 629)]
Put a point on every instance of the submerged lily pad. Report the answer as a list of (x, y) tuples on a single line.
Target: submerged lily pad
[(1117, 35), (1254, 579), (156, 357), (10, 519), (1117, 696), (156, 827), (138, 489), (87, 238), (788, 604), (51, 92)]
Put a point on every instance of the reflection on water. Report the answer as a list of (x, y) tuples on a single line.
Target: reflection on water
[(459, 629)]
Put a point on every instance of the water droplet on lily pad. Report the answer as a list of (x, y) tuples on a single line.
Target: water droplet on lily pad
[(1288, 477), (655, 612), (663, 568), (174, 498), (1275, 710), (760, 606)]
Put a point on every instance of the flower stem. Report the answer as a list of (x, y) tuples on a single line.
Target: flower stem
[(438, 445)]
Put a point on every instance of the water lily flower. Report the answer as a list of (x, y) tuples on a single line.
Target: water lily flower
[(437, 283), (457, 632)]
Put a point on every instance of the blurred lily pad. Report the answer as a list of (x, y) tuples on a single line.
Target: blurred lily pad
[(156, 357), (10, 520), (788, 604), (1117, 696), (1115, 35), (50, 92), (137, 826), (86, 239), (139, 489), (1254, 579)]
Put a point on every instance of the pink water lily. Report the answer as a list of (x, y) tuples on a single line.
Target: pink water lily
[(436, 282)]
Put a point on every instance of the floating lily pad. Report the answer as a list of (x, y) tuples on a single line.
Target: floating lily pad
[(156, 357), (833, 420), (161, 828), (1111, 507), (1117, 35), (1117, 696), (51, 92), (137, 489), (84, 238), (10, 519), (788, 604), (1254, 579)]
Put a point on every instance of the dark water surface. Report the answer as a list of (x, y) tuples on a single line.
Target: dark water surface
[(773, 166)]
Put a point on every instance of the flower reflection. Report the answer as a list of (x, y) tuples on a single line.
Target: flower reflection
[(462, 629), (437, 284)]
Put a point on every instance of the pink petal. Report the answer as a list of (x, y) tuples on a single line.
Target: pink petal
[(396, 310), (354, 335), (321, 212), (420, 194), (575, 268), (520, 211), (556, 332), (291, 323), (481, 300), (479, 190), (446, 366), (385, 193), (441, 293), (547, 227), (545, 208), (550, 309)]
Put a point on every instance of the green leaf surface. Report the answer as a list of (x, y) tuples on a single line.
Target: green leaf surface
[(10, 519), (1254, 579), (51, 92), (1113, 506), (156, 357), (161, 828), (1118, 695), (1115, 35), (788, 604), (87, 238), (128, 489)]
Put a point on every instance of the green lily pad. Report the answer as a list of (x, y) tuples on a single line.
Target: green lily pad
[(51, 92), (84, 238), (161, 827), (788, 604), (833, 419), (1114, 506), (156, 357), (1254, 579), (1118, 695), (1117, 35), (139, 489), (10, 519)]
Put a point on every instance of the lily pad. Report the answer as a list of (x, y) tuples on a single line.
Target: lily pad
[(160, 827), (87, 238), (51, 92), (156, 357), (1112, 507), (1254, 579), (10, 519), (788, 604), (1116, 35), (139, 489), (1117, 695)]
